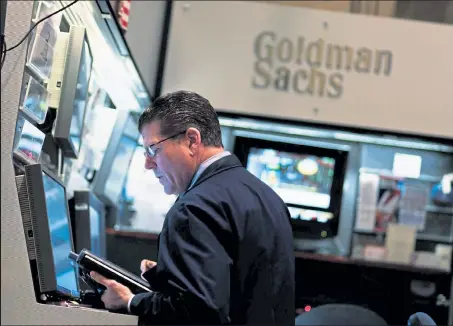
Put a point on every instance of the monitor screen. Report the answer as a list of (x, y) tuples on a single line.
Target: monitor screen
[(28, 140), (298, 179), (120, 165), (42, 49), (34, 99), (81, 97), (95, 231), (60, 234)]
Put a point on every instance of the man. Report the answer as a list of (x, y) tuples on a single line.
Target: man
[(225, 251)]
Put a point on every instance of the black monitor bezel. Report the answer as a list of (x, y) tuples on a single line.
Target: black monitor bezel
[(34, 172), (312, 229)]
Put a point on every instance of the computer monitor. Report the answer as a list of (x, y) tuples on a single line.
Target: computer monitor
[(47, 227), (88, 222), (109, 180), (120, 166), (68, 85), (309, 179), (28, 141)]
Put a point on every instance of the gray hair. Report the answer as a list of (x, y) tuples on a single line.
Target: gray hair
[(181, 110)]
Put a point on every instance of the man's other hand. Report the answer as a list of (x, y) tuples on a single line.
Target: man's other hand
[(146, 265), (116, 296)]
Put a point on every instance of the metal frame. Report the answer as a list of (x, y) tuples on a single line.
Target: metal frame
[(163, 49)]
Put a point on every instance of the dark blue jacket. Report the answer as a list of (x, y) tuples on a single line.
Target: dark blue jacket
[(225, 255)]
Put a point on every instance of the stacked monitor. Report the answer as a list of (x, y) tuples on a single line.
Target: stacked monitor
[(118, 172), (110, 179), (68, 86), (42, 195), (28, 141), (309, 179), (47, 227)]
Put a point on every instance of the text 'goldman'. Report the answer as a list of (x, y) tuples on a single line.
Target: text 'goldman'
[(313, 68)]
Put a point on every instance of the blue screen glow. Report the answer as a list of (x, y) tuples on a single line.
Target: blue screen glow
[(60, 234)]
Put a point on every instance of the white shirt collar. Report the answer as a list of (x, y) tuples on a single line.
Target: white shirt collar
[(203, 166)]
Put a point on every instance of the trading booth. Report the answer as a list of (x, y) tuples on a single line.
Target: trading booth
[(67, 72)]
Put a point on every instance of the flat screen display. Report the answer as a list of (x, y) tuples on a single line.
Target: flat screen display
[(60, 235), (28, 140), (41, 56), (34, 99), (297, 178), (44, 36), (120, 165), (81, 97), (95, 231)]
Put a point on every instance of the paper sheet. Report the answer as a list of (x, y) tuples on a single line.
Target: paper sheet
[(367, 202), (400, 243), (407, 166)]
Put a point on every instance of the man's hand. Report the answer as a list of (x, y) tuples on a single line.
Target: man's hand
[(146, 265), (116, 296)]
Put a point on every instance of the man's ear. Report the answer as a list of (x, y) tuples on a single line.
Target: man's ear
[(194, 137)]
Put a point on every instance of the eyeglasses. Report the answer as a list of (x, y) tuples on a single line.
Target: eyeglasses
[(150, 152)]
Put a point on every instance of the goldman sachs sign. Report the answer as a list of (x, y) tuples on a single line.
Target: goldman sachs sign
[(313, 67)]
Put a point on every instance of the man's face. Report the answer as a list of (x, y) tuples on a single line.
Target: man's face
[(173, 163)]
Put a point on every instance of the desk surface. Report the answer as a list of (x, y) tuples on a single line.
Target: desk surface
[(308, 255), (132, 234), (362, 262)]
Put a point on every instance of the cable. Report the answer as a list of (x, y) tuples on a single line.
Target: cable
[(3, 53), (4, 50), (40, 21)]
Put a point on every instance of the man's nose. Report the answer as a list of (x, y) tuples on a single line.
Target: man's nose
[(149, 163)]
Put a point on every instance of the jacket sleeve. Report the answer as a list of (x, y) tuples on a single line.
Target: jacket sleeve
[(195, 265)]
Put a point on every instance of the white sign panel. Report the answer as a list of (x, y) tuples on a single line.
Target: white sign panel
[(312, 65)]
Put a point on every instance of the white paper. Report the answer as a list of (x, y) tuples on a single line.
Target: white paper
[(365, 218), (376, 253), (443, 252), (367, 202), (427, 259), (400, 243), (407, 166)]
